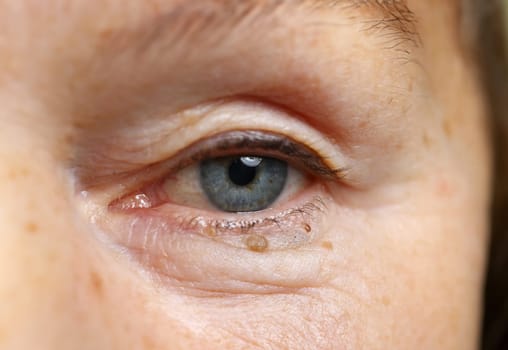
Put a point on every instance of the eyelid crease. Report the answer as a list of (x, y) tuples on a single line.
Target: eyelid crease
[(260, 143)]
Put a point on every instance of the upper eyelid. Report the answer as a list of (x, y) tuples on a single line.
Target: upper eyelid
[(122, 152), (254, 141)]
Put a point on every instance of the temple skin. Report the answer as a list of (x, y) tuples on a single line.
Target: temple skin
[(89, 85)]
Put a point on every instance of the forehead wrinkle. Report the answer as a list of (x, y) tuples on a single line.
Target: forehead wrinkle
[(181, 22)]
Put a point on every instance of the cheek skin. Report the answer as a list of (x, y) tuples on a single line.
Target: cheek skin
[(51, 270), (32, 258)]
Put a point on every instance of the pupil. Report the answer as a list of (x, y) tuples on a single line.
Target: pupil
[(241, 174)]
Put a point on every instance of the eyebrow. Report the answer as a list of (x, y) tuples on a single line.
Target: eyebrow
[(390, 20), (395, 20)]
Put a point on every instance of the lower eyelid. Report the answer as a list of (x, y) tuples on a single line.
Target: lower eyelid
[(193, 260), (175, 247), (198, 264), (291, 228)]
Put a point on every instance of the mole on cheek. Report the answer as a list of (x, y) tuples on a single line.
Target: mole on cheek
[(256, 243)]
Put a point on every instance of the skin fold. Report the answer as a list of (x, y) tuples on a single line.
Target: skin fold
[(93, 93)]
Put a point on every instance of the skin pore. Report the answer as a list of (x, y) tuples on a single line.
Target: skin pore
[(106, 100)]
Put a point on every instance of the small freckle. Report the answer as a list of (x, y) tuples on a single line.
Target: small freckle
[(15, 173), (327, 245), (69, 139), (51, 257), (80, 125), (426, 140), (148, 343), (386, 301), (444, 188), (106, 34), (307, 228), (447, 127), (96, 283), (410, 87), (31, 227), (256, 243), (363, 124)]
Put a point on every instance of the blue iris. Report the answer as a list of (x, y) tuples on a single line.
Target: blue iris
[(242, 184)]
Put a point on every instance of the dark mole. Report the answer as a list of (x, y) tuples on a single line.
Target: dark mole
[(31, 227), (96, 283), (256, 243), (327, 245)]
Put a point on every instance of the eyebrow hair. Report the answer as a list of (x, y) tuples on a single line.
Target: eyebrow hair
[(390, 20), (396, 22)]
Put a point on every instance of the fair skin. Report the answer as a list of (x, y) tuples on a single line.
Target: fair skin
[(98, 96)]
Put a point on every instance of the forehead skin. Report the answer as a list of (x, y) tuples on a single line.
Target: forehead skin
[(394, 22), (151, 26)]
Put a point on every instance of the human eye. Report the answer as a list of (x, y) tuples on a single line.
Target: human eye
[(240, 187), (253, 193)]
